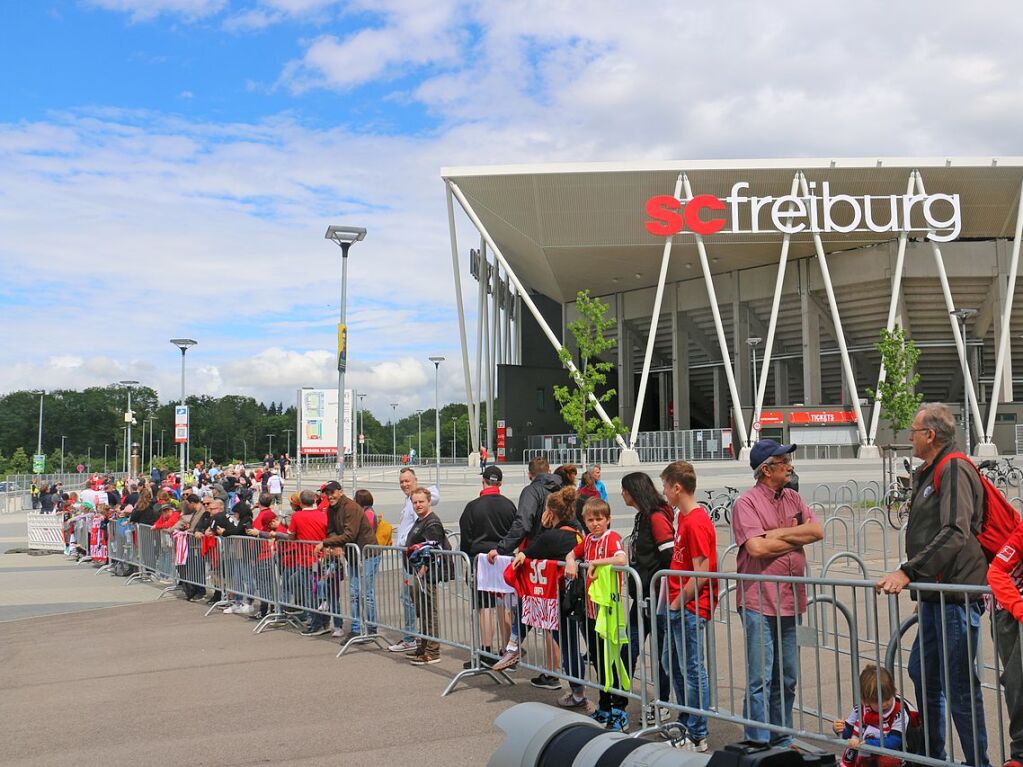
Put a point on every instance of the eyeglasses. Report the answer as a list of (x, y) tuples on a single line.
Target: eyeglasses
[(922, 428), (786, 460)]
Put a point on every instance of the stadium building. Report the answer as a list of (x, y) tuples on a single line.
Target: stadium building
[(748, 296)]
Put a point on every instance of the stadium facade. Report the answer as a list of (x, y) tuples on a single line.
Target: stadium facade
[(748, 294)]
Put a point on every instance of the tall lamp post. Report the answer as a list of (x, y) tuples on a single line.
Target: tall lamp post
[(420, 447), (62, 438), (39, 443), (362, 426), (289, 432), (105, 446), (962, 315), (270, 444), (129, 419), (345, 237), (152, 463), (454, 433), (184, 344), (394, 430), (436, 360), (753, 343)]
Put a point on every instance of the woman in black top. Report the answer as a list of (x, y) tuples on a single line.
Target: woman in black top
[(46, 500), (650, 546)]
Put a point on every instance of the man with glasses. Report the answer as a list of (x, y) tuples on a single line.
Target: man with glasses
[(942, 546), (771, 524)]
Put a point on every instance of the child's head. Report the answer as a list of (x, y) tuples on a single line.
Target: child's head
[(876, 684), (596, 515)]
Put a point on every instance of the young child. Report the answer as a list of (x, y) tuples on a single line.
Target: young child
[(886, 729), (601, 546), (1005, 576)]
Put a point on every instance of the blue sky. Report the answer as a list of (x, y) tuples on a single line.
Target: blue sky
[(168, 167)]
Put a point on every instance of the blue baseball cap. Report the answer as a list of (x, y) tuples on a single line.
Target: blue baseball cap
[(767, 448)]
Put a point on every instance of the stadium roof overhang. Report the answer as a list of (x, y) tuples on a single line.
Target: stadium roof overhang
[(566, 227)]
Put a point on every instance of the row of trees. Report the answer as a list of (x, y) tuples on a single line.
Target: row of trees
[(91, 423)]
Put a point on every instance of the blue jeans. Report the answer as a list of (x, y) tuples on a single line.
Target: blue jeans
[(685, 633), (300, 591), (927, 666), (631, 651), (408, 606), (772, 669), (367, 586)]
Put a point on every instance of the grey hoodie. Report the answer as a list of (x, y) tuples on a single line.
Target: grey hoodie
[(531, 503)]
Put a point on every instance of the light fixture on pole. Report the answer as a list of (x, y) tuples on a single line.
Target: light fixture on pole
[(436, 360), (394, 430), (962, 315), (345, 237), (62, 438), (184, 344), (753, 343), (129, 419), (362, 426)]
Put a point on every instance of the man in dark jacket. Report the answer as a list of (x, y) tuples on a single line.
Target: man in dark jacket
[(485, 521), (346, 523), (942, 547), (532, 500)]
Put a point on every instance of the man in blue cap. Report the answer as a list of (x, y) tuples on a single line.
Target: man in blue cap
[(771, 524)]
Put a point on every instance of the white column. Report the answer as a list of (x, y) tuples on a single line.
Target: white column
[(652, 336), (481, 309), (680, 368), (837, 322), (458, 301), (1004, 329), (601, 413), (740, 423)]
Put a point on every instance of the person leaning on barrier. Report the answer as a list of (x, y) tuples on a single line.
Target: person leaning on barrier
[(942, 547), (771, 524), (532, 501), (1005, 576), (427, 528), (484, 522), (346, 523), (408, 482), (191, 514)]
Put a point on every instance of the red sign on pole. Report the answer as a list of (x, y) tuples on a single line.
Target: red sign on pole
[(501, 433), (823, 417)]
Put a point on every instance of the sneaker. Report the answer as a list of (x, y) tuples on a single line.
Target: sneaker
[(652, 716), (417, 653), (315, 632), (509, 659), (695, 744), (246, 610), (230, 610), (403, 646), (425, 660), (618, 721), (338, 633), (489, 663), (546, 682), (600, 716), (568, 700)]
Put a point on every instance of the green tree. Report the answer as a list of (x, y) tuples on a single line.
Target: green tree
[(589, 331), (20, 463), (899, 356)]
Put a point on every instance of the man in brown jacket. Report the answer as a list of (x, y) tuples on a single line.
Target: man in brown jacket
[(942, 547), (346, 523)]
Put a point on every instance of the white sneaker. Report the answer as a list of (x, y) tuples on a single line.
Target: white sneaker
[(230, 609), (246, 610), (402, 647), (338, 633)]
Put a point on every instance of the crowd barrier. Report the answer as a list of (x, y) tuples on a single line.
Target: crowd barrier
[(376, 595)]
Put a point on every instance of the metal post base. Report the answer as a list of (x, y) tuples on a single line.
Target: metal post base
[(985, 450), (378, 639), (869, 453), (170, 590), (223, 604), (142, 576), (274, 620), (498, 676), (628, 457), (744, 454)]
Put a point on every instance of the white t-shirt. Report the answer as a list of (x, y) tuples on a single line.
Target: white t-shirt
[(274, 486)]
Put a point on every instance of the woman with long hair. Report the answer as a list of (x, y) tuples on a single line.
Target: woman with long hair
[(650, 546)]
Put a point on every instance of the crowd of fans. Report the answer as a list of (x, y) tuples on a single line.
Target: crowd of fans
[(528, 575)]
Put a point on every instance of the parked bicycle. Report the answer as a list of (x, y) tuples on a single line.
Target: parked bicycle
[(719, 504), (896, 498), (1003, 472)]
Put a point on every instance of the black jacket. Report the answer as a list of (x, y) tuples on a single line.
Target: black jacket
[(485, 521), (530, 510)]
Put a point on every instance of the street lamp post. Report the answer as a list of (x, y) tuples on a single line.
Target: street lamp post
[(152, 463), (184, 344), (88, 460), (454, 432), (270, 444), (129, 419), (753, 343), (105, 446), (436, 360), (62, 438), (362, 426), (962, 315), (420, 448), (394, 431), (345, 237), (289, 432), (161, 442), (39, 442)]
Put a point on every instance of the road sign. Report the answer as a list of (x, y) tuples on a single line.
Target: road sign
[(362, 439), (38, 464), (80, 468), (181, 423), (756, 426)]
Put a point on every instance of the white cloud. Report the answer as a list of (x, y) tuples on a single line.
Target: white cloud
[(146, 10)]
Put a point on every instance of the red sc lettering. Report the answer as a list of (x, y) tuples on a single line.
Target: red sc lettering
[(662, 209), (692, 214)]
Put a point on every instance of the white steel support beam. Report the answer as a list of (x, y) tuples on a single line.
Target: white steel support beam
[(518, 328), (492, 331), (971, 393), (481, 308), (458, 300), (454, 189), (893, 307), (506, 334), (822, 260), (1003, 340), (740, 423), (644, 376), (775, 304)]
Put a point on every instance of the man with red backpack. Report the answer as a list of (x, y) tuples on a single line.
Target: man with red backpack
[(946, 515)]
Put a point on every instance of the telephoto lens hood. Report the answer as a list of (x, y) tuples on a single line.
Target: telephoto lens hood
[(538, 735)]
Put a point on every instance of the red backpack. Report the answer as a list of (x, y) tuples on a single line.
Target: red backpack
[(1000, 516)]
